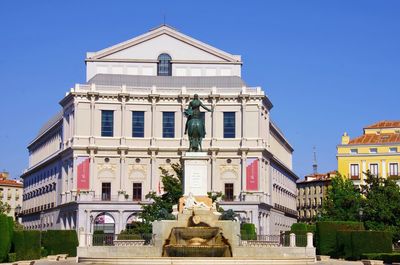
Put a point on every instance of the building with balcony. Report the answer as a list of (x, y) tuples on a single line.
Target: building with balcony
[(91, 166), (377, 150), (311, 194), (11, 193)]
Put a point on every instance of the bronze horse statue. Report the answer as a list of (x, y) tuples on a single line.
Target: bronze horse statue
[(195, 125)]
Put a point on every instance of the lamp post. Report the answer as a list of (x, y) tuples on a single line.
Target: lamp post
[(91, 222), (360, 213), (17, 212)]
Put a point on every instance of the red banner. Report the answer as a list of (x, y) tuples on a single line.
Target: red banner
[(83, 166), (252, 174)]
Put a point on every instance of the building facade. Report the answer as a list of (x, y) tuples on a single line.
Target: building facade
[(377, 150), (91, 166), (311, 194), (11, 193)]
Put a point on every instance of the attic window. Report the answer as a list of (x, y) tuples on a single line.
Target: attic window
[(164, 67)]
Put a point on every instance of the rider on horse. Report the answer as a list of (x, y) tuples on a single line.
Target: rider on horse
[(194, 124)]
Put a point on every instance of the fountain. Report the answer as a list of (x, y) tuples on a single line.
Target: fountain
[(198, 239)]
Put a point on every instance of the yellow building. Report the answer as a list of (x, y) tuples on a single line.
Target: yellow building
[(377, 150)]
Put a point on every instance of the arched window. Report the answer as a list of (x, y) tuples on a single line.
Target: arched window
[(164, 65)]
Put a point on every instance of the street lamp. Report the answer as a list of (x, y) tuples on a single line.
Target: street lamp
[(91, 222), (17, 212), (360, 213)]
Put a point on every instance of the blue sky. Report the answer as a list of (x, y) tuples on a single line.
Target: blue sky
[(327, 66)]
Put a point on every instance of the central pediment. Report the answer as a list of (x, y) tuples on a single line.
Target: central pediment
[(164, 39)]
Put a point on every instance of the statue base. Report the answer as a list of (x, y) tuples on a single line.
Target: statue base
[(195, 180)]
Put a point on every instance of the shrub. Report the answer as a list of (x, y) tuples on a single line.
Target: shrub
[(27, 244), (343, 245), (326, 235), (351, 244), (298, 227), (60, 242), (248, 231), (98, 238), (5, 236), (386, 257), (12, 257), (377, 241)]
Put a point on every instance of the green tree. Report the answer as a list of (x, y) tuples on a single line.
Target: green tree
[(5, 208), (381, 209), (161, 208), (343, 201), (225, 215)]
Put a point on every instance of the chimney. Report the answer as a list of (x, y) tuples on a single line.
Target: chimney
[(345, 138)]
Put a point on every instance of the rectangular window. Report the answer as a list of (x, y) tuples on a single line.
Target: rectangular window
[(137, 192), (393, 150), (137, 123), (106, 191), (107, 123), (353, 151), (373, 168), (393, 169), (229, 125), (169, 124), (228, 192), (373, 150), (354, 171)]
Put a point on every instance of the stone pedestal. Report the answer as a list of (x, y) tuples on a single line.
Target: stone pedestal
[(195, 173)]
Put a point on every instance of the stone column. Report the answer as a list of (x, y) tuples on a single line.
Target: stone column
[(310, 240), (292, 240)]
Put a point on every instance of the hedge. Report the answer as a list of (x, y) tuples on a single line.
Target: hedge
[(60, 242), (248, 231), (351, 244), (299, 227), (326, 235), (27, 244), (386, 257), (6, 234)]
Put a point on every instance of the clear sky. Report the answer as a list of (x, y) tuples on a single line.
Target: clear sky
[(327, 66)]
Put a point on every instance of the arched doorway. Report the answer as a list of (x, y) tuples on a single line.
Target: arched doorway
[(103, 229), (132, 220)]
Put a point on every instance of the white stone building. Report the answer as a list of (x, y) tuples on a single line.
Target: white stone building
[(92, 165)]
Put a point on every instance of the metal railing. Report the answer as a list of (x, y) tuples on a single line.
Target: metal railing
[(105, 239), (282, 240), (261, 240)]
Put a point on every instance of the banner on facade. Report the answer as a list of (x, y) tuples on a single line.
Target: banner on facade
[(252, 174), (83, 165)]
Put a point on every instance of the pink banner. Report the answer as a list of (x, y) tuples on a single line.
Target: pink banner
[(83, 165), (252, 174)]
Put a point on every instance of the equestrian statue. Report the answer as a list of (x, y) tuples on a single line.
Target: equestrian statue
[(195, 127)]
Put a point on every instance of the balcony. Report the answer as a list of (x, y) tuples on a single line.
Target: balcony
[(259, 197), (89, 196), (355, 177), (286, 210)]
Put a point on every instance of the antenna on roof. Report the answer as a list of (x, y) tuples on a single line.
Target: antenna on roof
[(164, 20), (315, 165)]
